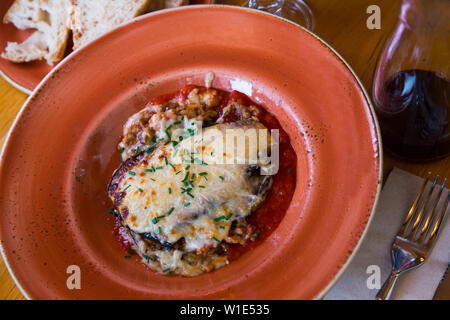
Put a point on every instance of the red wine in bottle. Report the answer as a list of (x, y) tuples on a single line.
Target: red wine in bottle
[(414, 115)]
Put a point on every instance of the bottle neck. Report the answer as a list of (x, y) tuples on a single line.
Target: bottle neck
[(426, 15)]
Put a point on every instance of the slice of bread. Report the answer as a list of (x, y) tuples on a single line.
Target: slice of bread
[(175, 3), (50, 19), (90, 19)]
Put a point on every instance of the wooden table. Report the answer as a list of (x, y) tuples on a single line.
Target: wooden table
[(342, 24)]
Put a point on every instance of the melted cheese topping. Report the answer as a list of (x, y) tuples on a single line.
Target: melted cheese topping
[(174, 193)]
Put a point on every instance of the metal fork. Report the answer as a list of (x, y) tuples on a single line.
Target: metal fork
[(416, 236)]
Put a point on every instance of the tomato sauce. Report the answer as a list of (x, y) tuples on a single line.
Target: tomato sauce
[(120, 233), (269, 214)]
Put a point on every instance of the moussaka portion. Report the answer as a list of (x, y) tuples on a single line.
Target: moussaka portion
[(182, 193)]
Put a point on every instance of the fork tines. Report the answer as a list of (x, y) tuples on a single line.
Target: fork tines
[(423, 220)]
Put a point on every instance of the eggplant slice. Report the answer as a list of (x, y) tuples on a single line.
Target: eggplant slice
[(182, 205)]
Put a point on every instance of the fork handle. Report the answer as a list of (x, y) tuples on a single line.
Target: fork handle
[(388, 286)]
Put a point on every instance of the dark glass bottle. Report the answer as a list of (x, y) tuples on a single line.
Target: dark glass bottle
[(411, 88)]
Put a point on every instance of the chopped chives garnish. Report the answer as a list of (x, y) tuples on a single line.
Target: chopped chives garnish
[(152, 179), (177, 122), (170, 190), (219, 218), (130, 251), (127, 187), (168, 141), (221, 178), (140, 190), (228, 216), (185, 190), (222, 227), (188, 166), (159, 168), (200, 186), (110, 210), (174, 143), (148, 170), (170, 211), (190, 195), (165, 160), (187, 204), (165, 270), (149, 149), (255, 235), (156, 219), (132, 173), (178, 172), (127, 257), (167, 131), (159, 230), (122, 150), (289, 170), (186, 176), (203, 173), (215, 239), (171, 166)]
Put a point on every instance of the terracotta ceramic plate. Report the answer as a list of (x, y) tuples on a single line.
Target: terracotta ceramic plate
[(62, 150), (25, 76)]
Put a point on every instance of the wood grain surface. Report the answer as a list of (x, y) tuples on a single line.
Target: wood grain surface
[(342, 24)]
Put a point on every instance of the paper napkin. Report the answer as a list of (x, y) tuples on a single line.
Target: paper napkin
[(359, 282)]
